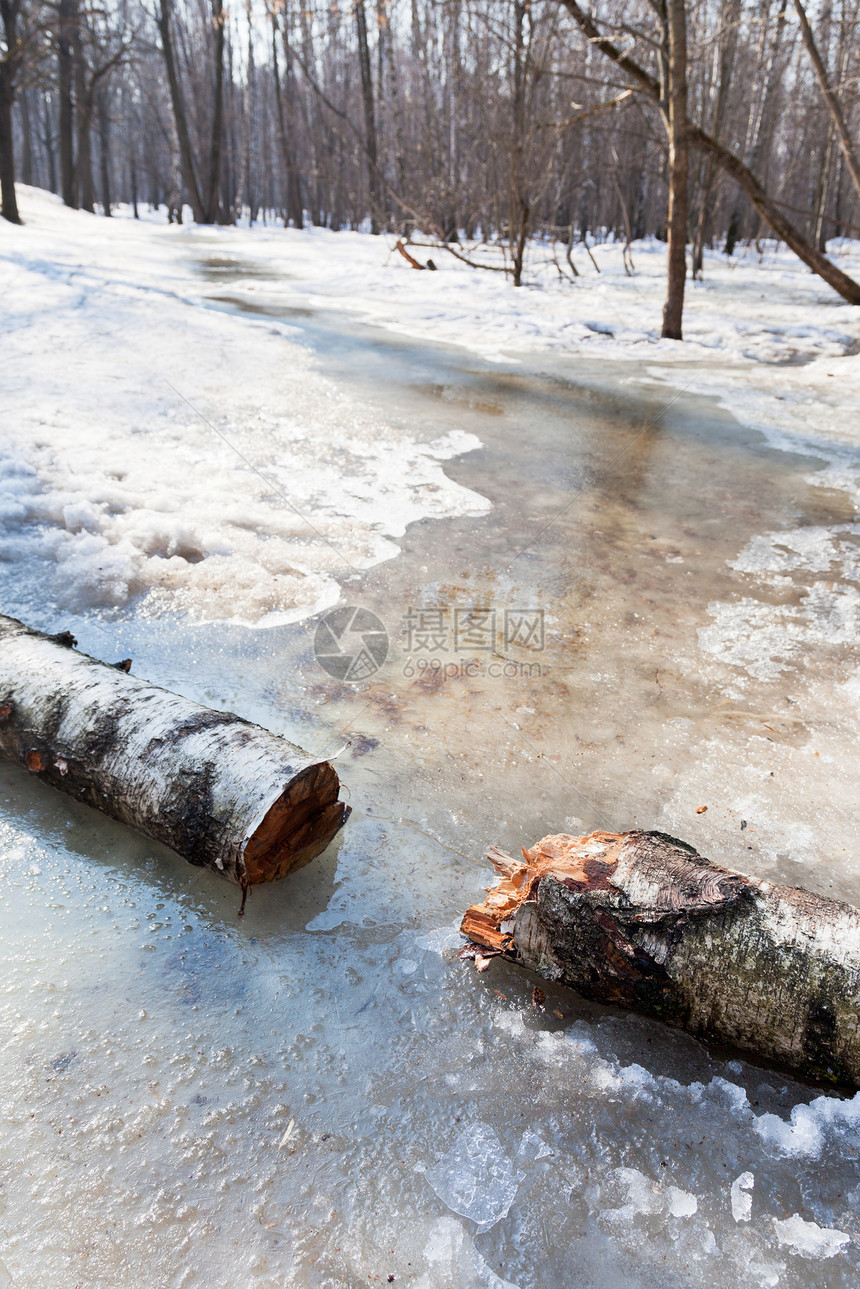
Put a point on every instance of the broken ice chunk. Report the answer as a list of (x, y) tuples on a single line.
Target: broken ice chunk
[(682, 1203), (741, 1203), (476, 1178), (808, 1238), (452, 1259), (532, 1147)]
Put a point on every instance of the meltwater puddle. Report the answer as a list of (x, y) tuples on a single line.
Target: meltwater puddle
[(190, 1098)]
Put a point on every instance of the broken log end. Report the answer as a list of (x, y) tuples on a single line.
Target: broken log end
[(641, 921)]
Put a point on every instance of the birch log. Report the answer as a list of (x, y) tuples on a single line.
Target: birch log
[(219, 791), (641, 920)]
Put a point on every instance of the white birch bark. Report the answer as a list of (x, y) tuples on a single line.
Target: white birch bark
[(642, 921), (218, 790)]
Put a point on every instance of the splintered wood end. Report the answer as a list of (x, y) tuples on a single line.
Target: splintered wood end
[(584, 863)]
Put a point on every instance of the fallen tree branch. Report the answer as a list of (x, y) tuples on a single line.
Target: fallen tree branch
[(219, 791), (458, 255), (641, 921), (410, 259)]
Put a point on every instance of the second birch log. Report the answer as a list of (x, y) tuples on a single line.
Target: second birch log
[(642, 921), (221, 792)]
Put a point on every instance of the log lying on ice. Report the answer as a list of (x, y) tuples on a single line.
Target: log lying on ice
[(642, 921), (219, 791)]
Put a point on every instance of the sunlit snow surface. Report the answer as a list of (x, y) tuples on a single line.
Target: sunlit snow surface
[(320, 1094), (179, 460)]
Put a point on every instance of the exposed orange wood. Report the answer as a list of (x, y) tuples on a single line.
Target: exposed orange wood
[(585, 862)]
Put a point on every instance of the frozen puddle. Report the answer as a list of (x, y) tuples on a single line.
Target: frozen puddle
[(193, 1100)]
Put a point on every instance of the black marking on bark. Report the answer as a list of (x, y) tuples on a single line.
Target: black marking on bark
[(819, 1039), (196, 724), (64, 638), (102, 738), (188, 814), (51, 716)]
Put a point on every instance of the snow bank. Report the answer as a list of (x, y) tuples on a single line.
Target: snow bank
[(179, 457)]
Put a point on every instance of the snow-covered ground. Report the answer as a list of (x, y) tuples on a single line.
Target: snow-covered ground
[(157, 451), (161, 452)]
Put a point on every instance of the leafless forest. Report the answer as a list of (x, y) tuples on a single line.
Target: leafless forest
[(703, 124)]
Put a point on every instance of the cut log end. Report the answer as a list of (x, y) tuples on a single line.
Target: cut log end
[(221, 792), (297, 828)]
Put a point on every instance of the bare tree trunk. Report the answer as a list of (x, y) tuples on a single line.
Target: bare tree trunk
[(183, 137), (728, 48), (219, 791), (834, 107), (731, 164), (104, 148), (216, 138), (66, 36), (7, 153), (46, 135), (388, 72), (519, 204), (294, 200), (370, 141), (26, 138), (84, 190), (248, 168), (641, 921), (822, 193), (10, 11), (676, 126)]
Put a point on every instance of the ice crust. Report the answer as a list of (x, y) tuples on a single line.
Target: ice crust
[(476, 1178)]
